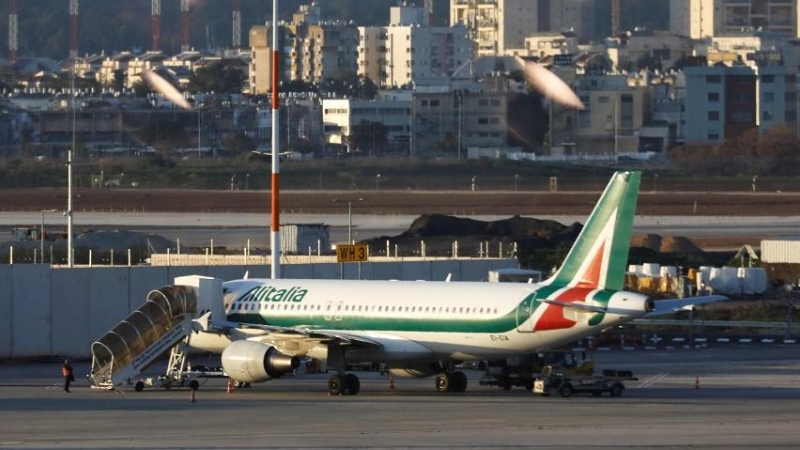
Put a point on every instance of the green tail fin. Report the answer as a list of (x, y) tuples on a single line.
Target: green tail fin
[(599, 257)]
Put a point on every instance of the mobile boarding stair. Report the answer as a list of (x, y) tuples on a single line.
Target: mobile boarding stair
[(163, 323)]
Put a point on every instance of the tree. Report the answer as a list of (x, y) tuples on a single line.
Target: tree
[(352, 86), (239, 143), (528, 121), (164, 135), (368, 137), (223, 77)]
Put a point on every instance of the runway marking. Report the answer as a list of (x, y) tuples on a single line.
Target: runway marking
[(652, 380)]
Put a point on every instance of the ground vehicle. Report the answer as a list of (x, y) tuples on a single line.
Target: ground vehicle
[(521, 371), (553, 380)]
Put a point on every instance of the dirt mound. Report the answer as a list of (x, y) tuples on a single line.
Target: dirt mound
[(121, 240), (666, 244), (440, 232), (431, 225)]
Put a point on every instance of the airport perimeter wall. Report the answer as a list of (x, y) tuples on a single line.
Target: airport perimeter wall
[(49, 311)]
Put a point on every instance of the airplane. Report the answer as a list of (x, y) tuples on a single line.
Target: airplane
[(424, 328)]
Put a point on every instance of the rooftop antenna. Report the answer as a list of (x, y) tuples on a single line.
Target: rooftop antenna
[(237, 23), (185, 26), (13, 30), (156, 24), (73, 29)]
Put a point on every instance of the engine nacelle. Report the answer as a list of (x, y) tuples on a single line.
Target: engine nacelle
[(254, 362), (630, 302), (416, 370)]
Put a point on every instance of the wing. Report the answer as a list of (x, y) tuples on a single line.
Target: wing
[(297, 340), (669, 306)]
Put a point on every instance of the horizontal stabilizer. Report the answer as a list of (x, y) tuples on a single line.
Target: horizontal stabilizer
[(673, 305), (578, 305)]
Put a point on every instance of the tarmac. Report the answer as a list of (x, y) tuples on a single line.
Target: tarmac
[(735, 396)]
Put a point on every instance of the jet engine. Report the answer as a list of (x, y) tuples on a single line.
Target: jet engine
[(254, 362), (628, 302), (416, 370)]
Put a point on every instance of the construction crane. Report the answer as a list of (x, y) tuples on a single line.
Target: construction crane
[(615, 10)]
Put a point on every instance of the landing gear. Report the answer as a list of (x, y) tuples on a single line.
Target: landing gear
[(451, 382), (342, 383), (349, 384)]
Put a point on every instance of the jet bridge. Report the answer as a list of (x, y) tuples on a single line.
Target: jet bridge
[(164, 322)]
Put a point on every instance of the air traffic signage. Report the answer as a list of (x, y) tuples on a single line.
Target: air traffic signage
[(352, 253)]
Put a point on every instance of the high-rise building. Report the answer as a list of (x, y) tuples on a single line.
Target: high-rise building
[(399, 55), (708, 18), (571, 15), (313, 50), (497, 25)]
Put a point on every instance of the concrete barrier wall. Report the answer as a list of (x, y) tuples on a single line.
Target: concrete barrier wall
[(60, 312)]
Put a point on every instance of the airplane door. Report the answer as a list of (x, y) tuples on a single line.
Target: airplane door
[(524, 311), (339, 308)]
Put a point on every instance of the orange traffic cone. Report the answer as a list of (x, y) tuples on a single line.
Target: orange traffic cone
[(697, 382), (191, 397), (230, 386), (391, 382)]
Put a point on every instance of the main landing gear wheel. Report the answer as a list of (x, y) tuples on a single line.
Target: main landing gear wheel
[(347, 385), (351, 384), (335, 385), (451, 382)]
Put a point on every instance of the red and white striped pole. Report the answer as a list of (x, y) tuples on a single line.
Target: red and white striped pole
[(275, 236)]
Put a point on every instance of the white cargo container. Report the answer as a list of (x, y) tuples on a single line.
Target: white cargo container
[(780, 251), (305, 238)]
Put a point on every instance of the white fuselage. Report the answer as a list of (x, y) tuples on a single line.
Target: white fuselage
[(414, 320)]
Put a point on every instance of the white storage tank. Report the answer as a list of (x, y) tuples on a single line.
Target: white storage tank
[(635, 269), (651, 269), (669, 271)]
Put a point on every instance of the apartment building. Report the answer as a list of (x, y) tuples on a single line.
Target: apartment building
[(339, 116), (114, 69), (449, 120), (613, 114), (699, 19), (311, 50), (497, 25), (643, 48), (546, 44), (400, 55), (149, 61), (722, 102)]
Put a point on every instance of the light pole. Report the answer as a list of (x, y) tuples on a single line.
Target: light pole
[(41, 233), (516, 181), (378, 182), (460, 100), (349, 215), (247, 182)]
